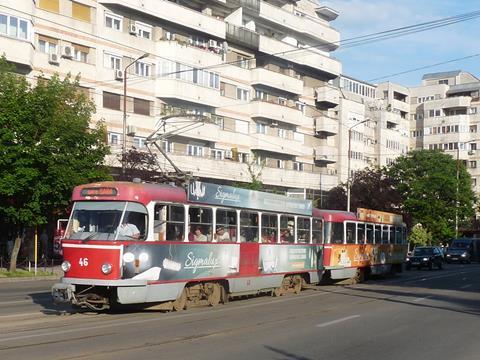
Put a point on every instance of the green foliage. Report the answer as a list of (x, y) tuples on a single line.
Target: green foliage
[(419, 236), (426, 181), (46, 146)]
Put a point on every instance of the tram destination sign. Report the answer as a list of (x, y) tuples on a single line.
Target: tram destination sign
[(222, 195)]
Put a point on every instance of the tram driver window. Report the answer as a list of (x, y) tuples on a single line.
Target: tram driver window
[(228, 220), (248, 226), (168, 222), (287, 229), (135, 218), (269, 228), (200, 224), (303, 230), (351, 232)]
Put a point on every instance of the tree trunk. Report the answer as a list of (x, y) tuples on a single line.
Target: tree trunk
[(15, 251)]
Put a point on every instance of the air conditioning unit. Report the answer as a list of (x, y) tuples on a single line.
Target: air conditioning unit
[(118, 75), (274, 124), (53, 58), (133, 29), (131, 130), (212, 44), (68, 52)]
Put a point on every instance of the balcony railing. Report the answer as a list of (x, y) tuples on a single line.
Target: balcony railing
[(242, 36)]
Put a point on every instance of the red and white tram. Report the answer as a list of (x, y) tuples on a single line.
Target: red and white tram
[(207, 244)]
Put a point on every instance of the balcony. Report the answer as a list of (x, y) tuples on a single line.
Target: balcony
[(291, 178), (455, 102), (326, 126), (401, 105), (187, 54), (17, 51), (274, 111), (174, 13), (327, 97), (187, 91), (277, 145), (276, 80), (325, 154), (306, 57), (242, 36), (318, 31)]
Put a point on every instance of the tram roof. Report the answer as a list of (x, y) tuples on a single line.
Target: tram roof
[(334, 215)]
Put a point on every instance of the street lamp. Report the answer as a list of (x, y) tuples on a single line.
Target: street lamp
[(458, 179), (348, 163), (124, 141)]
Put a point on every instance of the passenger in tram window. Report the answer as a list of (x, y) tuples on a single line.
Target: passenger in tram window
[(198, 235), (191, 235), (286, 236), (269, 237), (221, 234)]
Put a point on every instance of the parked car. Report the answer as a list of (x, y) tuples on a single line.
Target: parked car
[(460, 250), (425, 256)]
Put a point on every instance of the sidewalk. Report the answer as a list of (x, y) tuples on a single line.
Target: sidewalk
[(55, 271)]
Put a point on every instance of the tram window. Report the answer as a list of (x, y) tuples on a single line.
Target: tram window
[(248, 226), (137, 215), (398, 235), (228, 219), (351, 233), (303, 230), (200, 223), (336, 233), (269, 228), (378, 234), (317, 231), (287, 229), (392, 234), (168, 222), (369, 233), (360, 233), (385, 232)]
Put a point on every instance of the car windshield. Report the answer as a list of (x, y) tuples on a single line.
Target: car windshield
[(422, 251), (107, 220), (460, 244)]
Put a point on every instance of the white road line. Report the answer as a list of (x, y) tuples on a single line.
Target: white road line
[(338, 321), (465, 286), (422, 298)]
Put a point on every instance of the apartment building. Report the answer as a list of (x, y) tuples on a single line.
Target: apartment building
[(230, 82), (445, 115)]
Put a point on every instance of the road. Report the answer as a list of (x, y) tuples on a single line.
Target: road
[(418, 314)]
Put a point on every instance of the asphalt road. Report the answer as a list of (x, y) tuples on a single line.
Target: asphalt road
[(416, 315)]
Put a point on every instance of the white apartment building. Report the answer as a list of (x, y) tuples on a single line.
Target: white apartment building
[(445, 115), (257, 71)]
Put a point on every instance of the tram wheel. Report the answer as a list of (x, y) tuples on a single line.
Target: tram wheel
[(359, 276), (297, 284), (181, 302), (214, 295)]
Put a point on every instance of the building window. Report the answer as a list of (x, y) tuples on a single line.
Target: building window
[(14, 27), (282, 133), (50, 5), (112, 61), (217, 154), (80, 11), (139, 142), (242, 94), (298, 166), (219, 121), (113, 21), (111, 101), (80, 53), (300, 106), (282, 101), (167, 146), (445, 81), (47, 45), (261, 95), (194, 150), (144, 30), (142, 69), (113, 139), (141, 106), (261, 128), (280, 164), (473, 164)]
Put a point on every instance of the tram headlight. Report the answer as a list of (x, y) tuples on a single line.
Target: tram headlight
[(128, 257), (106, 268), (66, 265)]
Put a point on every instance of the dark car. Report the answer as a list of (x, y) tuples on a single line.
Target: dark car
[(425, 256), (460, 250)]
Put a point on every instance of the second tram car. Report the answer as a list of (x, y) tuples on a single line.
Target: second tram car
[(156, 244)]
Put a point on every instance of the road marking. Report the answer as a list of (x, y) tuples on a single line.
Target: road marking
[(422, 298), (338, 321), (465, 286)]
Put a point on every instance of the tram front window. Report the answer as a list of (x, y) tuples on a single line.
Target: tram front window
[(103, 220)]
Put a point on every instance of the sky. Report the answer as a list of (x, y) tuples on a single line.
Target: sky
[(385, 58)]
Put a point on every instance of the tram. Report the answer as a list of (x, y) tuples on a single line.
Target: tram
[(170, 248)]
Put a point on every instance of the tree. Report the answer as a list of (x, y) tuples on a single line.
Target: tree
[(427, 183), (254, 168), (419, 236), (46, 147), (139, 164), (371, 188)]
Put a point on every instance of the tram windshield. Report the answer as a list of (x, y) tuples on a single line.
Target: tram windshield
[(107, 220)]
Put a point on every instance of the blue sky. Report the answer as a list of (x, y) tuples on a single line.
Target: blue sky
[(367, 62)]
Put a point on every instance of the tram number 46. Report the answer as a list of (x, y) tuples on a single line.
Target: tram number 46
[(83, 261)]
